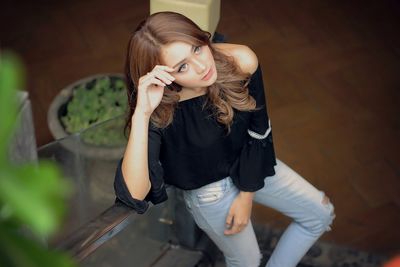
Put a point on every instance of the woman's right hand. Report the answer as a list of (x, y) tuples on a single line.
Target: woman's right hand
[(151, 88)]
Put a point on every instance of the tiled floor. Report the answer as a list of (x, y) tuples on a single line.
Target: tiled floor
[(331, 70), (322, 254)]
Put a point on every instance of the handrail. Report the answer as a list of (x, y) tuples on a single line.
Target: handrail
[(82, 242), (89, 236)]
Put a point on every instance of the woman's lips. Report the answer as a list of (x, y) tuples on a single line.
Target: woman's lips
[(208, 75)]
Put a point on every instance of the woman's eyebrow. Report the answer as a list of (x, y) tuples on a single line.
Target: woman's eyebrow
[(182, 59)]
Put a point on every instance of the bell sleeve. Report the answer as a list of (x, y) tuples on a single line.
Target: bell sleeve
[(257, 157), (157, 193)]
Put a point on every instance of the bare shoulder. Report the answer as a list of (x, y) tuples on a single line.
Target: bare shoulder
[(244, 56)]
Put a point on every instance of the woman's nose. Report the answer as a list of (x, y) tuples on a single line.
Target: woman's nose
[(200, 66)]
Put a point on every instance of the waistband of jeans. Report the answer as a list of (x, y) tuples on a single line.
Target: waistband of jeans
[(224, 181)]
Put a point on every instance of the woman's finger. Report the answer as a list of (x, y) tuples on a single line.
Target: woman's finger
[(229, 219), (166, 71), (234, 230), (152, 80), (164, 67), (146, 77), (157, 81), (159, 74), (164, 76), (231, 225), (149, 77), (169, 76)]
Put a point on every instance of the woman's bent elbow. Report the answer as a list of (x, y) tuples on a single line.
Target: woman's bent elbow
[(141, 194)]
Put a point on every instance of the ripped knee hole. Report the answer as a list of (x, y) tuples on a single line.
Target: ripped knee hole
[(325, 200)]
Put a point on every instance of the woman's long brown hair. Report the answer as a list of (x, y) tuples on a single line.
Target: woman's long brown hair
[(144, 52)]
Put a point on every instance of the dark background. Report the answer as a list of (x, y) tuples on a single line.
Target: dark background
[(331, 70)]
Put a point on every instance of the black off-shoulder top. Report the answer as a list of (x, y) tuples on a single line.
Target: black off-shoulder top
[(194, 150)]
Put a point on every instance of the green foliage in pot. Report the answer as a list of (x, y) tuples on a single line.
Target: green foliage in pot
[(94, 102)]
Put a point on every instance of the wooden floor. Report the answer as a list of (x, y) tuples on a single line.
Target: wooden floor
[(332, 76)]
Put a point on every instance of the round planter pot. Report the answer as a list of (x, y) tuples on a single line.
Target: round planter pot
[(74, 142)]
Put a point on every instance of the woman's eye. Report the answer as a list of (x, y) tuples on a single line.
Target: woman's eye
[(180, 68), (197, 48)]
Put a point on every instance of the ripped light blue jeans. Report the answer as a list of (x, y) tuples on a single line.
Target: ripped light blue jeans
[(287, 192)]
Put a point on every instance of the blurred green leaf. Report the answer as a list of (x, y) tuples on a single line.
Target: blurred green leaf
[(35, 190), (31, 195), (19, 251), (11, 72)]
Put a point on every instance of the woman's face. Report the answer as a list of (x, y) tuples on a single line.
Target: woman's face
[(194, 65)]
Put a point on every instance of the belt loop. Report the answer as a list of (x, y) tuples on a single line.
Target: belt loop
[(228, 182)]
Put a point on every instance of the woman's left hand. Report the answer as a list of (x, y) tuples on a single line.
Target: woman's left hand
[(239, 213)]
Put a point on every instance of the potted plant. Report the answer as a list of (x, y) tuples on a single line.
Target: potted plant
[(92, 109)]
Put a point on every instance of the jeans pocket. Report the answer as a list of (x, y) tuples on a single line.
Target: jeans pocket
[(212, 193)]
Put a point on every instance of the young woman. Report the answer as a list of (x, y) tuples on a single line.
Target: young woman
[(198, 121)]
